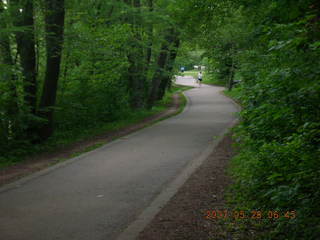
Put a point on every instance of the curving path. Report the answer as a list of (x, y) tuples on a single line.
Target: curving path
[(97, 195)]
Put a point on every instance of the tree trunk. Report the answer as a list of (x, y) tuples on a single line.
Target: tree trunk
[(11, 106), (136, 71), (5, 53), (166, 81), (231, 68), (150, 37), (231, 76), (26, 49), (54, 21), (231, 80), (158, 75)]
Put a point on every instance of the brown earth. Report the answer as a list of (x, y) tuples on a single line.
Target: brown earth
[(184, 217), (44, 160)]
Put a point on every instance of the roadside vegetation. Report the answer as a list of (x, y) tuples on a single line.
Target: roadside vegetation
[(207, 77), (193, 73), (273, 47), (71, 69), (211, 79), (63, 138)]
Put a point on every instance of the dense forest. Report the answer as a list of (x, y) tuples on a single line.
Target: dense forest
[(68, 65)]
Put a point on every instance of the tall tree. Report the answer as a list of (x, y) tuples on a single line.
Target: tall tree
[(166, 80), (23, 15), (7, 77), (5, 52), (150, 36), (164, 66), (136, 57), (54, 25)]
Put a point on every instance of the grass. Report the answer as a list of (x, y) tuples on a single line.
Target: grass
[(235, 93), (211, 79), (207, 78), (67, 138), (192, 73)]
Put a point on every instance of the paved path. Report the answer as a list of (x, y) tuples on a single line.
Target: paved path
[(100, 193)]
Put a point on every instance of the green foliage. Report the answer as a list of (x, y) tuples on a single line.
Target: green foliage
[(188, 57), (104, 68), (279, 135), (94, 87), (65, 136), (274, 49), (272, 46)]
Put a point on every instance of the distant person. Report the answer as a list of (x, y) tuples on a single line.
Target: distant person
[(199, 78), (182, 69)]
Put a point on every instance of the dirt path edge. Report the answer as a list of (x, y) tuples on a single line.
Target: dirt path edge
[(149, 224)]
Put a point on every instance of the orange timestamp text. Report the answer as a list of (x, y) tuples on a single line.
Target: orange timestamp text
[(254, 214)]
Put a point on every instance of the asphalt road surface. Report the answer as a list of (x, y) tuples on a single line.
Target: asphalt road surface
[(97, 195)]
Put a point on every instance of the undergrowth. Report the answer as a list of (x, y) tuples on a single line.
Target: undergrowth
[(67, 136)]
